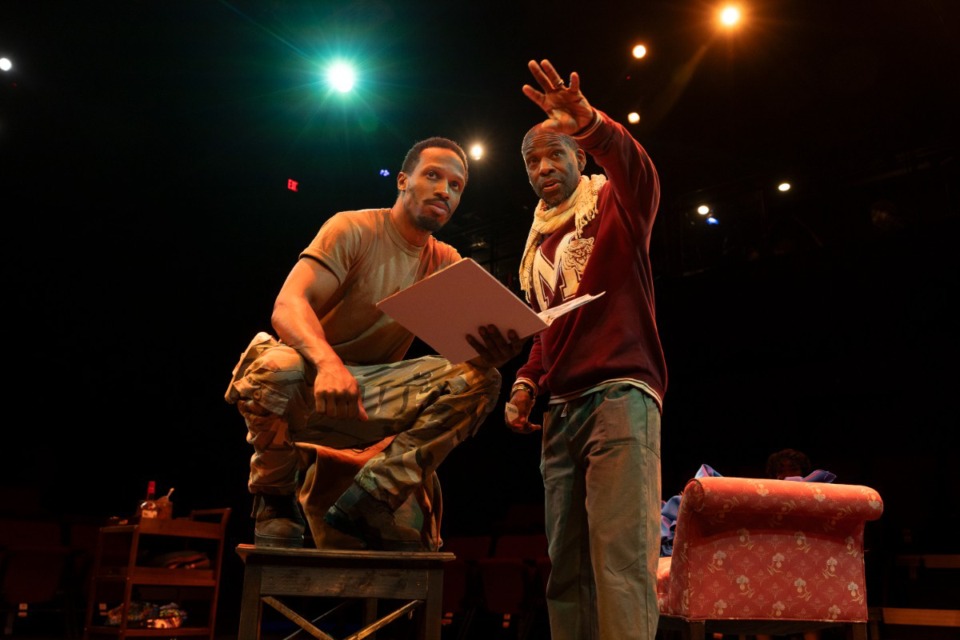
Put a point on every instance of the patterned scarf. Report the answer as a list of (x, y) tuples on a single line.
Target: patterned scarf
[(582, 205)]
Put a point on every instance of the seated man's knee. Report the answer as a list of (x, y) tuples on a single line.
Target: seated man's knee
[(270, 382), (493, 380), (278, 362), (485, 381)]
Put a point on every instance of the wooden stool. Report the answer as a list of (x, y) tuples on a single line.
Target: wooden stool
[(414, 577)]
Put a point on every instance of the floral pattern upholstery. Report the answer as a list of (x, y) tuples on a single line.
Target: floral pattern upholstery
[(759, 549)]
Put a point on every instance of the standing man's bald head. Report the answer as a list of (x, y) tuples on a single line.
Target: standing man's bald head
[(554, 163)]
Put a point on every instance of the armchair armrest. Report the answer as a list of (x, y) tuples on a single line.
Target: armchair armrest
[(837, 505)]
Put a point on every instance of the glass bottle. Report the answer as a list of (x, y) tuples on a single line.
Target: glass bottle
[(148, 508)]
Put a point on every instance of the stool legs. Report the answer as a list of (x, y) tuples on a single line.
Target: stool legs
[(374, 578), (251, 607)]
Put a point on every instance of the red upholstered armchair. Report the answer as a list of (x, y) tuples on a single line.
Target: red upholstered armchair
[(767, 556)]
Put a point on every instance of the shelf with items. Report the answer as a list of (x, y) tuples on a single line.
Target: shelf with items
[(158, 559)]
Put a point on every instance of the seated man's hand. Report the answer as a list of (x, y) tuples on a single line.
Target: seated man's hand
[(337, 394), (495, 350)]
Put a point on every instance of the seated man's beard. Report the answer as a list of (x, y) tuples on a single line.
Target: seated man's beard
[(427, 223)]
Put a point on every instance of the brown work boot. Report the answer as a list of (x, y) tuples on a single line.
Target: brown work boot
[(372, 522), (278, 521)]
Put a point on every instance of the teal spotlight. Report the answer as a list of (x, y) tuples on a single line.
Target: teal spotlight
[(341, 76)]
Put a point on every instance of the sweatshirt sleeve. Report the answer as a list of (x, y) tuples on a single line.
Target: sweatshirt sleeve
[(532, 371), (628, 167)]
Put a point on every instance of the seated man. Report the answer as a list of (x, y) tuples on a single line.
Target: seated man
[(335, 374)]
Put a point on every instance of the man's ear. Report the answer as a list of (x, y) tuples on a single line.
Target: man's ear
[(581, 160), (401, 181)]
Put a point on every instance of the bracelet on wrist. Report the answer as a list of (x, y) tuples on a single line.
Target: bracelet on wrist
[(523, 386)]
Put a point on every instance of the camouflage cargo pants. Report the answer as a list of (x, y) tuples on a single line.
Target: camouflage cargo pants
[(430, 405)]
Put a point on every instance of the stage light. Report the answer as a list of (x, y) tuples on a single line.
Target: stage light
[(639, 51), (476, 151), (730, 16), (341, 76), (5, 64)]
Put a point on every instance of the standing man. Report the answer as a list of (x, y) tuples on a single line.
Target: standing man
[(601, 365), (336, 375)]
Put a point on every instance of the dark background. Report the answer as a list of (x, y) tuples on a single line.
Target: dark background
[(145, 149)]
